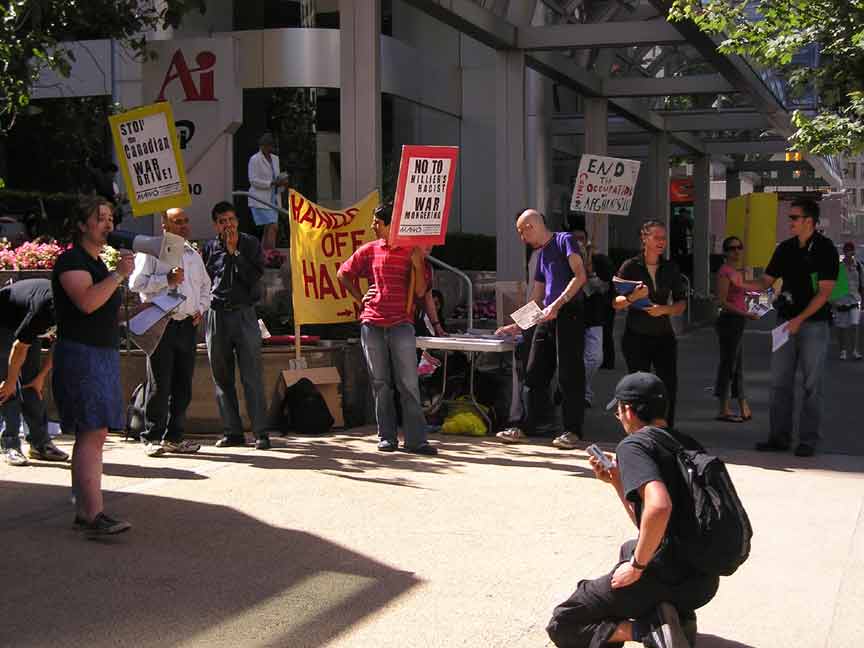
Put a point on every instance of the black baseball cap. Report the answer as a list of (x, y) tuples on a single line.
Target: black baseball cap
[(639, 387)]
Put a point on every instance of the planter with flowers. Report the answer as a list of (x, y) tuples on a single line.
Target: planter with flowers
[(28, 260)]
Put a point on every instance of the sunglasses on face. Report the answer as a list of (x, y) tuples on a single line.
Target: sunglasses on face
[(734, 247), (795, 217)]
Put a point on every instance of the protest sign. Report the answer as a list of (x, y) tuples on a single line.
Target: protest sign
[(604, 185), (423, 195), (321, 239), (150, 159)]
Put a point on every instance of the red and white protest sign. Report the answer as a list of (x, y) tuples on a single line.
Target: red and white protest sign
[(423, 195)]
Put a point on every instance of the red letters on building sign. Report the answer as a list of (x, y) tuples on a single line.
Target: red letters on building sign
[(178, 69)]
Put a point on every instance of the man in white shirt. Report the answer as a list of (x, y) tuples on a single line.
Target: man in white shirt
[(171, 365), (266, 183)]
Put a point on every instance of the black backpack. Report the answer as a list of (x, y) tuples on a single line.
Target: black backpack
[(714, 531), (136, 420), (304, 410)]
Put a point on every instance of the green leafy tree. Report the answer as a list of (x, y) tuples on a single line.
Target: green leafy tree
[(771, 32), (34, 34)]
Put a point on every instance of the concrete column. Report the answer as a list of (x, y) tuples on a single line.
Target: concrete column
[(658, 179), (702, 224), (733, 184), (360, 97), (596, 142), (539, 133), (510, 167)]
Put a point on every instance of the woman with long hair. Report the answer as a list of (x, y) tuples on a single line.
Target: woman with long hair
[(649, 342), (730, 326), (86, 379)]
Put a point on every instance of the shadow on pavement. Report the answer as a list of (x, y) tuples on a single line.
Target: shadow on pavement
[(187, 574), (713, 641), (130, 470)]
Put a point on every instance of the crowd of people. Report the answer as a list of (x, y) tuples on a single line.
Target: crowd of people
[(652, 592)]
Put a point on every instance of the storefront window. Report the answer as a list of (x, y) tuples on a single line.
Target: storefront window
[(276, 14)]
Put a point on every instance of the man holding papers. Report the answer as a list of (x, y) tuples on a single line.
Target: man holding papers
[(171, 365), (808, 264), (559, 339)]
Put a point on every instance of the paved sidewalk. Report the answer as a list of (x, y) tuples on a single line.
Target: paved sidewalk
[(328, 542)]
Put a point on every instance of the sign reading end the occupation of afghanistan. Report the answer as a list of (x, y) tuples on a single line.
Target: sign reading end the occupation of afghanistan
[(604, 185), (150, 159), (423, 195)]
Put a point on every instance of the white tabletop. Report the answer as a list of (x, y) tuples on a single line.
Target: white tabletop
[(470, 343)]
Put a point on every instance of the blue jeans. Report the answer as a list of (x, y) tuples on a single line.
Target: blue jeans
[(25, 402), (229, 334), (593, 358), (394, 346), (805, 351)]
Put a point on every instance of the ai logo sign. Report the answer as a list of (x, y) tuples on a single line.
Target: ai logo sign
[(179, 69)]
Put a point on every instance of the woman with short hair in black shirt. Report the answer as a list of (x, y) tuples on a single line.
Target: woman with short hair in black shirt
[(649, 342), (86, 379)]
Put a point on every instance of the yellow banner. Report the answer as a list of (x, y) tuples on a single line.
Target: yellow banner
[(321, 239)]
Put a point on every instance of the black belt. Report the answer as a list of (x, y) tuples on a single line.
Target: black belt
[(229, 307)]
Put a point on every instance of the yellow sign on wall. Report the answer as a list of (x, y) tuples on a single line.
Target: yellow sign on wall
[(150, 159), (321, 239), (753, 219)]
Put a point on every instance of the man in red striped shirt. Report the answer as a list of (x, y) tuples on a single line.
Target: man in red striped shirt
[(396, 277)]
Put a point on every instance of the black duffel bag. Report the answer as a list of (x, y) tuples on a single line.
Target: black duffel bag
[(304, 410)]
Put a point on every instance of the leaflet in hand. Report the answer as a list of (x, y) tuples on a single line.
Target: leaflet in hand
[(527, 316), (759, 309), (625, 287), (779, 336)]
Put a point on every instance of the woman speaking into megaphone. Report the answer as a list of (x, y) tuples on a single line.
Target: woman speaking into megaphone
[(86, 380)]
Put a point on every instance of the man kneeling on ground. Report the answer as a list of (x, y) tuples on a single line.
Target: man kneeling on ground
[(652, 589)]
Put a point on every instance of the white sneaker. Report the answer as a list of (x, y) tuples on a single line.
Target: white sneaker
[(184, 447), (14, 457), (856, 355), (567, 441), (153, 449), (842, 355), (512, 435)]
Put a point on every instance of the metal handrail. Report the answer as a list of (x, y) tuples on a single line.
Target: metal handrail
[(689, 295)]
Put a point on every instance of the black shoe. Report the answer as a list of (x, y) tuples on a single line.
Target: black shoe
[(424, 449), (587, 404), (667, 633), (771, 446), (263, 443), (805, 450), (102, 525), (230, 441), (388, 446)]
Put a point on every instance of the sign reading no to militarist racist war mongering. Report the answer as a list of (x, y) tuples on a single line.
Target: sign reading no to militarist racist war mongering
[(423, 195), (150, 159), (604, 185)]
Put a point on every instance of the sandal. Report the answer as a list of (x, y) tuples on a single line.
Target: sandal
[(729, 418)]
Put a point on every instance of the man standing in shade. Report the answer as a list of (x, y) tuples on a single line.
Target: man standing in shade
[(559, 338), (235, 266), (171, 366), (396, 277), (808, 263), (26, 313)]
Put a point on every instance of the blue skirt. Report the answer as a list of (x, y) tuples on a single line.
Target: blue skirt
[(87, 387)]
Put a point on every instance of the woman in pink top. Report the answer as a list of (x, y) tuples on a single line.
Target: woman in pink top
[(730, 332)]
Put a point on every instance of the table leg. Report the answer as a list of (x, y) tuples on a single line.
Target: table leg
[(477, 406)]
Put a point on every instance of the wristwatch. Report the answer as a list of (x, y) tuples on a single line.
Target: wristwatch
[(236, 252), (635, 563)]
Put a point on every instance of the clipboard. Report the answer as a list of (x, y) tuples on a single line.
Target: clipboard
[(147, 327)]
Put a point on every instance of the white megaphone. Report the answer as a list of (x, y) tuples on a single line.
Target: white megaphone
[(168, 248)]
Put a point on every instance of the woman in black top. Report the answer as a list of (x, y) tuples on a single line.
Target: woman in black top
[(649, 341), (86, 379)]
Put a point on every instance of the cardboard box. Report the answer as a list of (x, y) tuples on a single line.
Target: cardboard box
[(326, 379)]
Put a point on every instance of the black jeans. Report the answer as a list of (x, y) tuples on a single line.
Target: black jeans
[(235, 334), (169, 382), (657, 353), (730, 333), (558, 343), (589, 617), (25, 402)]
